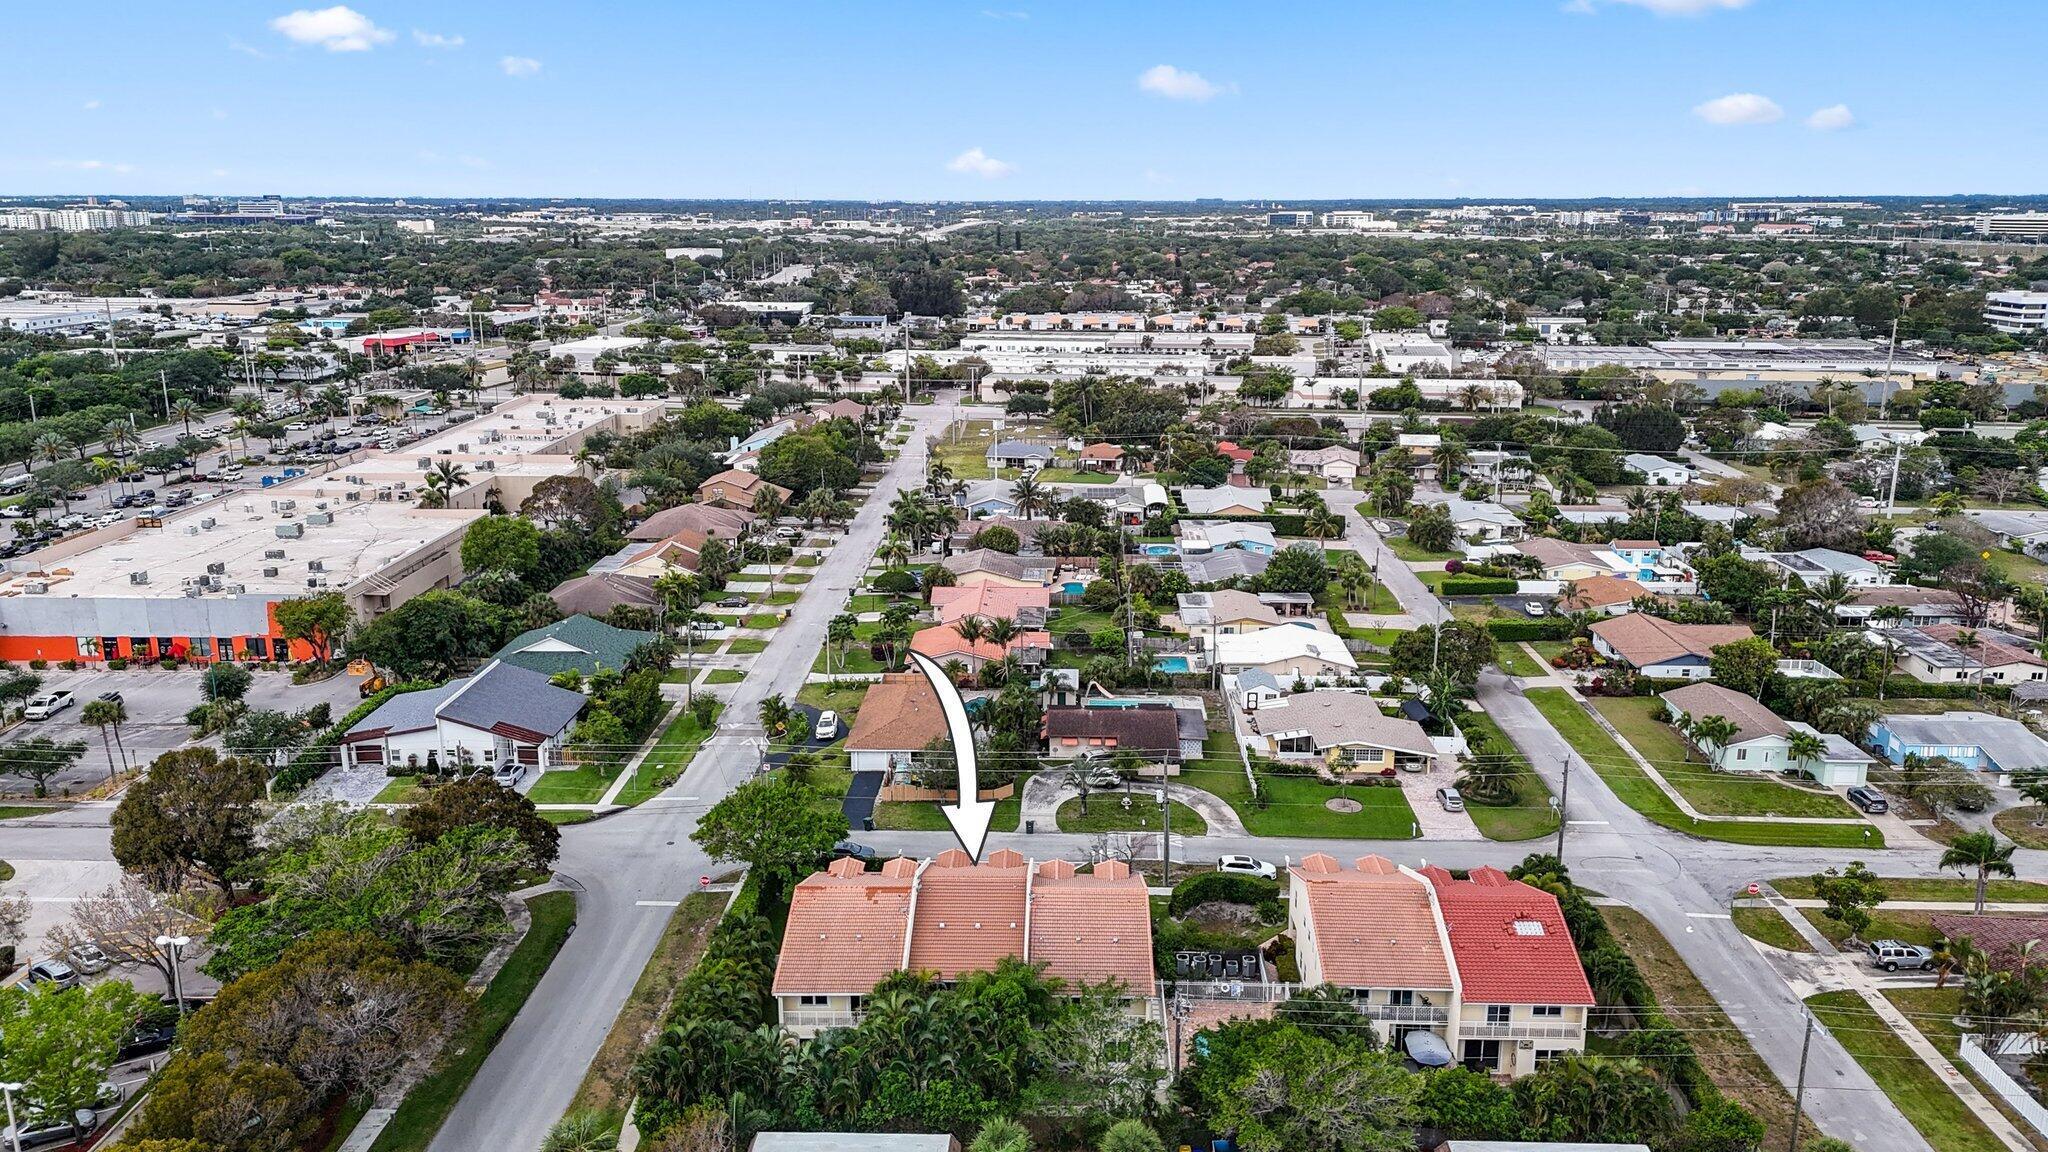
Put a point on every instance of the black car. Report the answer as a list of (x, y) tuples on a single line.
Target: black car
[(111, 697), (733, 602), (847, 849), (1870, 800), (147, 1040)]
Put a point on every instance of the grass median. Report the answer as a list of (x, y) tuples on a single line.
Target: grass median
[(1635, 788), (1927, 1103), (426, 1107)]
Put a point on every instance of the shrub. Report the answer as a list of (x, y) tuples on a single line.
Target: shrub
[(1227, 887), (117, 664), (1514, 630), (1478, 586), (39, 665)]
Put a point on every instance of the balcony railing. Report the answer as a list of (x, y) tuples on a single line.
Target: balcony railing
[(1405, 1013), (820, 1018), (1470, 1031)]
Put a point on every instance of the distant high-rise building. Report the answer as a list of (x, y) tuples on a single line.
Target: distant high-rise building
[(2021, 225), (2016, 313), (261, 206)]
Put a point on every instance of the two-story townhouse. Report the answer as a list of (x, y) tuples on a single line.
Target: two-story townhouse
[(1374, 931), (1522, 995)]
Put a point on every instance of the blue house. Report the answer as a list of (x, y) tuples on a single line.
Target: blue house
[(1975, 740)]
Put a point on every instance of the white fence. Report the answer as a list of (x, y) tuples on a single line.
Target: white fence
[(2007, 1088)]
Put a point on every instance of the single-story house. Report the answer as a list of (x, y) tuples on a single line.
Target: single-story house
[(1149, 731), (1200, 536), (1027, 532), (1018, 454), (576, 642), (1658, 647), (1649, 562), (1923, 606), (1227, 500), (1229, 564), (1606, 595), (503, 714), (1100, 457), (733, 488), (1592, 515), (1935, 655), (944, 644), (1563, 559), (1336, 463), (1345, 730), (708, 520), (598, 593), (987, 566), (898, 719), (1224, 612), (1483, 519), (844, 409), (1762, 741), (1656, 470), (2027, 531), (1257, 688), (1290, 654), (987, 601), (1976, 740), (1814, 566), (987, 498)]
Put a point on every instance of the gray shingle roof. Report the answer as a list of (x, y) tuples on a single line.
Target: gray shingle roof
[(507, 694)]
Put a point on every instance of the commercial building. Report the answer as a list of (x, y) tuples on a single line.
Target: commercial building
[(1745, 363), (2016, 313), (76, 218), (203, 584), (2015, 225)]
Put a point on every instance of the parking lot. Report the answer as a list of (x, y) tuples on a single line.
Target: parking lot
[(156, 702)]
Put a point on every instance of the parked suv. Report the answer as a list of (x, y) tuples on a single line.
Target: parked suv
[(1869, 799), (1892, 955)]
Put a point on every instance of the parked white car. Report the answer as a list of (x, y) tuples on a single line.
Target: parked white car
[(1248, 866)]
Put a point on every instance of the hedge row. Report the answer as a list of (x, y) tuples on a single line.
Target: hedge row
[(1516, 630), (1230, 888), (1907, 688), (313, 759), (1283, 523), (1479, 586)]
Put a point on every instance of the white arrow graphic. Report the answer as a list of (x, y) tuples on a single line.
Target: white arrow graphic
[(971, 814)]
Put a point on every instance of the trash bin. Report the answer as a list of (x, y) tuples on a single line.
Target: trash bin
[(867, 823), (1030, 826)]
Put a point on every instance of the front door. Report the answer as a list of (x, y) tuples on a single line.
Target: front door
[(1482, 1055)]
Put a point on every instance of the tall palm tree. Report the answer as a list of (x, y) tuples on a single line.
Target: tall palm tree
[(441, 483), (1001, 630), (106, 714), (51, 447), (118, 437), (1805, 747), (109, 472), (1322, 524), (767, 504), (1711, 730), (1982, 851), (971, 628), (894, 552), (1031, 497), (240, 428), (184, 409)]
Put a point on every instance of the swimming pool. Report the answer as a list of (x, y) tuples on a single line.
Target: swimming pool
[(1073, 587), (1173, 665)]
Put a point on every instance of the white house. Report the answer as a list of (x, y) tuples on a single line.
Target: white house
[(1491, 523), (1289, 653), (503, 714), (1656, 470)]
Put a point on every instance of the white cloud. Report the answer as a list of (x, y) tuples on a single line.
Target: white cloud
[(975, 162), (1740, 108), (93, 166), (337, 29), (248, 49), (1662, 7), (521, 66), (90, 105), (435, 40), (1174, 84), (1832, 118), (1005, 14)]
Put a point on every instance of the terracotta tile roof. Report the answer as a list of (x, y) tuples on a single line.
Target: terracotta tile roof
[(2001, 936), (943, 642), (969, 916), (1602, 592), (900, 714), (1509, 941), (1087, 929), (1643, 639), (1374, 925), (1102, 452), (845, 930), (988, 601)]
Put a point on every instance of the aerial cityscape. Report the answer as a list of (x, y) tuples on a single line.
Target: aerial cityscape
[(914, 579)]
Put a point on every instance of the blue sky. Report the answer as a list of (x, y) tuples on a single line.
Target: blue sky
[(1022, 100)]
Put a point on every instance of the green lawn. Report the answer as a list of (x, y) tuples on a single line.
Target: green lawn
[(1407, 549), (400, 790), (1526, 816), (1933, 1012), (1937, 1112), (797, 579), (584, 784), (869, 602), (1294, 804), (1515, 661), (725, 676), (2026, 825), (1106, 813), (1908, 924), (420, 1116), (747, 646), (762, 620), (1550, 649), (844, 699), (781, 599), (670, 755), (1769, 926), (1639, 792), (1072, 476), (857, 659), (562, 817), (1927, 888), (924, 816), (2017, 568), (1718, 793), (18, 811), (1432, 578), (1076, 619)]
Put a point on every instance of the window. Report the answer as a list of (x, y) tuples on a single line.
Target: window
[(1547, 1056), (813, 1001), (1401, 998), (226, 645), (1498, 1013), (259, 648), (1552, 1010), (88, 646), (138, 647), (202, 647), (1742, 753)]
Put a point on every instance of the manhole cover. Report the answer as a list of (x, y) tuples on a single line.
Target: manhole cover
[(1340, 804)]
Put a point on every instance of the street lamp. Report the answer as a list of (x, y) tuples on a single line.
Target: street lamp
[(13, 1131), (175, 947)]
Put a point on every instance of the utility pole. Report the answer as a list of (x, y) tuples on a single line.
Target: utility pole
[(1799, 1091), (1166, 836), (163, 380), (1891, 500), (1564, 797), (1884, 403)]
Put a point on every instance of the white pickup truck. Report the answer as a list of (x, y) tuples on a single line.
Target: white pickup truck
[(47, 705)]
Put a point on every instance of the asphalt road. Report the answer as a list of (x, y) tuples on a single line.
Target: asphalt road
[(630, 869)]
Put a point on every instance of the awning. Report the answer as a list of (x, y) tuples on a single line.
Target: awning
[(1427, 1048)]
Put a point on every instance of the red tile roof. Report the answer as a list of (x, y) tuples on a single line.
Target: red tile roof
[(1509, 940), (845, 930), (1086, 929), (1374, 925), (969, 916), (901, 713)]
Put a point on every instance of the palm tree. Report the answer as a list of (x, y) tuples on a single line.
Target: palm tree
[(109, 472), (1030, 496), (895, 553), (1887, 652), (1001, 630), (1805, 748), (240, 428), (971, 628), (1955, 956), (1831, 594), (840, 631), (51, 447), (1322, 524), (441, 482), (767, 505), (105, 714), (1714, 730), (184, 409), (1982, 851), (584, 1130), (118, 437)]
